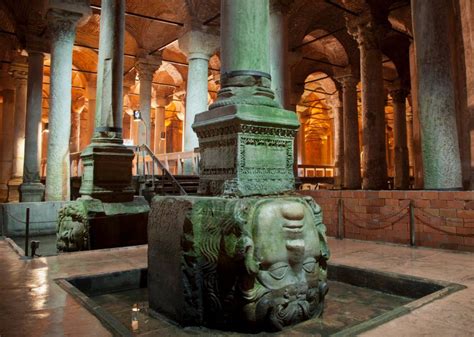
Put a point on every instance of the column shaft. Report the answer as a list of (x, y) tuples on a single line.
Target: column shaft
[(402, 176), (352, 177), (32, 189), (144, 135), (6, 147), (20, 123), (338, 146), (160, 141), (432, 24), (63, 25), (196, 96)]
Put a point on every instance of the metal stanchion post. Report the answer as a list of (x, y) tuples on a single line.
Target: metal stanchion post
[(27, 231)]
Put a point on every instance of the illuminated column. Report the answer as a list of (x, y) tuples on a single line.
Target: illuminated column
[(279, 63), (368, 35), (19, 72), (337, 111), (62, 25), (32, 189), (91, 95), (75, 138), (352, 177), (146, 67), (160, 128), (6, 147), (434, 49), (199, 44), (402, 174)]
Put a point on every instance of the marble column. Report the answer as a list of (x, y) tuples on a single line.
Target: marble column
[(368, 35), (352, 178), (279, 55), (19, 72), (338, 117), (160, 128), (32, 189), (199, 43), (402, 173), (146, 69), (6, 147), (75, 138), (102, 179), (436, 94), (62, 26), (410, 140), (91, 94)]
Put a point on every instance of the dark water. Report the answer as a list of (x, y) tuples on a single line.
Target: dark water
[(346, 306)]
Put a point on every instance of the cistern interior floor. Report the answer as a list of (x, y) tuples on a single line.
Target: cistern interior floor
[(33, 304), (236, 167)]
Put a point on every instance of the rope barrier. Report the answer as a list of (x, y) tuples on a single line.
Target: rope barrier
[(442, 230), (376, 220)]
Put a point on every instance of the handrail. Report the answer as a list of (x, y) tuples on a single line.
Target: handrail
[(165, 171)]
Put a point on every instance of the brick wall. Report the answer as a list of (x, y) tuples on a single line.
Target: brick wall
[(442, 219)]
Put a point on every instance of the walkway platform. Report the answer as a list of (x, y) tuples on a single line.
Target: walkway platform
[(32, 304)]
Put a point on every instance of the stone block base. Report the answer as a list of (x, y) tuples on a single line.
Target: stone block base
[(107, 172), (31, 192), (247, 264), (14, 189), (92, 224)]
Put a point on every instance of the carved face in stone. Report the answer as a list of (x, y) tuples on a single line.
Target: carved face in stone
[(72, 231), (288, 287)]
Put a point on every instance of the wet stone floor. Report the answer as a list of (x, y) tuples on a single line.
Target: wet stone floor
[(346, 306)]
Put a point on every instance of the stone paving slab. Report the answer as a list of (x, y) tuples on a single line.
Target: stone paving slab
[(32, 304)]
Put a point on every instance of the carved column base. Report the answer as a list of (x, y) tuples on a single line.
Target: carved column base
[(246, 264), (246, 150), (107, 172), (31, 192)]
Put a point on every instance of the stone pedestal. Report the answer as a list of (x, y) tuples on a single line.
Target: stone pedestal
[(245, 264), (246, 150), (93, 224)]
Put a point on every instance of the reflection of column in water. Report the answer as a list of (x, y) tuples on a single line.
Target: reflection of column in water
[(135, 311)]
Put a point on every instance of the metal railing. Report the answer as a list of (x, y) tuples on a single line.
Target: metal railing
[(146, 162)]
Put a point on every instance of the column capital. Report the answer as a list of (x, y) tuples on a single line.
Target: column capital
[(347, 81), (399, 95), (36, 44), (334, 101), (62, 24), (19, 69), (79, 8), (146, 66), (280, 6), (199, 42), (365, 30)]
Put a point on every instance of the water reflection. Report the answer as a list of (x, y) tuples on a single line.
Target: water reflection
[(135, 318)]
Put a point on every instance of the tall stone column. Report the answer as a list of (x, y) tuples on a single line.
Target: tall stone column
[(368, 35), (246, 139), (410, 140), (199, 43), (62, 22), (75, 138), (146, 69), (352, 177), (107, 162), (32, 189), (6, 147), (338, 117), (436, 94), (279, 54), (160, 128), (91, 94), (19, 72), (402, 174)]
